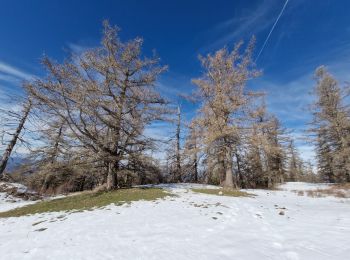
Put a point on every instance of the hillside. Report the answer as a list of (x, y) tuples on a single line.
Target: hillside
[(278, 224)]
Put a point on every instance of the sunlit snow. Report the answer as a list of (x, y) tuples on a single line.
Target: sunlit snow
[(189, 226)]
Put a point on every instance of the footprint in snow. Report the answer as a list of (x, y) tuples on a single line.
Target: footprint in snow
[(37, 223), (40, 230)]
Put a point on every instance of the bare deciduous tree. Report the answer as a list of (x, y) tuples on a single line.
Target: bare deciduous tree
[(21, 120), (331, 128), (192, 150), (178, 146), (222, 93), (106, 98)]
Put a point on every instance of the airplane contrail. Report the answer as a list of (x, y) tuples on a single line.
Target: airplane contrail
[(273, 27)]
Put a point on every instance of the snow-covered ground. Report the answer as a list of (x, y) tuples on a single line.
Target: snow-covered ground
[(190, 226), (8, 202)]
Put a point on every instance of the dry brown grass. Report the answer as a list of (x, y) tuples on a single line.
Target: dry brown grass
[(300, 193), (342, 186), (335, 190)]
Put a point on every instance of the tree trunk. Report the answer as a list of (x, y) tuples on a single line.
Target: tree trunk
[(222, 166), (44, 186), (54, 157), (56, 145), (210, 168), (112, 181), (269, 182), (228, 183), (11, 145), (178, 156), (240, 176), (195, 168)]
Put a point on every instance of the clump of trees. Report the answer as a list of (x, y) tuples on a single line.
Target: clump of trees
[(331, 128), (233, 140), (92, 110), (241, 142)]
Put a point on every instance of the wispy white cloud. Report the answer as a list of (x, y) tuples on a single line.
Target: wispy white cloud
[(9, 73), (11, 97), (289, 100), (247, 23), (77, 48), (9, 78), (290, 97)]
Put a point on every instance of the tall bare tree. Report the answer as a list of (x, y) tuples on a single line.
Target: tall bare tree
[(222, 93), (265, 149), (295, 170), (21, 120), (192, 150), (178, 146), (106, 98), (331, 128)]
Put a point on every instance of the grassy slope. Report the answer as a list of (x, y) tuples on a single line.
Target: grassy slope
[(87, 200), (224, 192)]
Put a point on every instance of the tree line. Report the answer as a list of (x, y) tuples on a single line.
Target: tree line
[(92, 110)]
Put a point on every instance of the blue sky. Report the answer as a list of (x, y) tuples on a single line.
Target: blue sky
[(309, 33)]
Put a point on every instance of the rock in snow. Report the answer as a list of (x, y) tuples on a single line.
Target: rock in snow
[(177, 228)]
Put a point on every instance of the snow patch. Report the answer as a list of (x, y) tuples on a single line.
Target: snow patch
[(189, 226)]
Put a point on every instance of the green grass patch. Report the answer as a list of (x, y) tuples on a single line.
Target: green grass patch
[(88, 201), (224, 192)]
